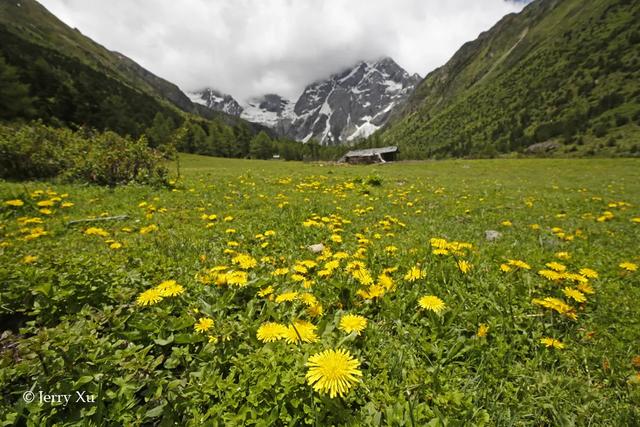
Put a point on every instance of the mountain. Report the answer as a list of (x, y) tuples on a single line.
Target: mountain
[(217, 101), (560, 75), (347, 106), (351, 104), (270, 110)]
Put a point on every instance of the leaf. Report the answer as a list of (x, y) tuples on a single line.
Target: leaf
[(164, 341), (155, 412)]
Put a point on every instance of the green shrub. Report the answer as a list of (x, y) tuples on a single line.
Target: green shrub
[(36, 151)]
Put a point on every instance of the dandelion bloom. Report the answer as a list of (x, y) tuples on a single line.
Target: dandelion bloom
[(518, 263), (315, 310), (148, 229), (244, 261), (414, 274), (589, 273), (432, 302), (115, 245), (574, 294), (237, 278), (353, 323), (265, 291), (271, 331), (505, 268), (483, 330), (286, 297), (557, 305), (96, 231), (629, 266), (149, 297), (301, 330), (203, 325), (556, 266), (333, 372), (28, 259), (552, 343), (464, 266), (169, 288), (15, 203)]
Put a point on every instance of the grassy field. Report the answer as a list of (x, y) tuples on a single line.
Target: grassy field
[(204, 305)]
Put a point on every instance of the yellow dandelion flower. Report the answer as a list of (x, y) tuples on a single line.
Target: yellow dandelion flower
[(265, 291), (115, 245), (244, 261), (483, 330), (556, 266), (557, 305), (45, 203), (574, 294), (552, 343), (237, 278), (440, 252), (170, 288), (336, 238), (432, 302), (333, 372), (353, 323), (518, 263), (505, 268), (386, 282), (507, 223), (15, 203), (203, 325), (286, 297), (148, 229), (362, 276), (629, 266), (149, 297), (271, 331), (280, 272), (589, 273), (300, 269), (29, 259), (315, 310), (563, 255), (308, 299), (585, 288), (550, 275), (464, 266), (96, 231), (301, 329), (414, 274)]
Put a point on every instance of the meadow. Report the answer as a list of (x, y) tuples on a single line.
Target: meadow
[(212, 303)]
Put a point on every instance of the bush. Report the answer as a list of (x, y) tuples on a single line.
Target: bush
[(36, 151)]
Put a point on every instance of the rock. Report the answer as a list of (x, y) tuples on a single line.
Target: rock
[(317, 248), (492, 235)]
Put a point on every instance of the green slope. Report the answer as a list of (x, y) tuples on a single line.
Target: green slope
[(34, 23), (75, 81), (561, 72)]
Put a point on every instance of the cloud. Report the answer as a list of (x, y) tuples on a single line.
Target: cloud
[(251, 47)]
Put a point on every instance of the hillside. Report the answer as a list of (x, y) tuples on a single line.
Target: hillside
[(73, 80), (564, 73)]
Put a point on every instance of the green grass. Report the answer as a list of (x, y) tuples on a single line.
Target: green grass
[(72, 322)]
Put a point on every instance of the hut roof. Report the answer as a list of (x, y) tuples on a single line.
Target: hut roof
[(371, 151)]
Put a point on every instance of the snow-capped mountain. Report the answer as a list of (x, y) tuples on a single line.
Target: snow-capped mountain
[(215, 100), (351, 104), (272, 111)]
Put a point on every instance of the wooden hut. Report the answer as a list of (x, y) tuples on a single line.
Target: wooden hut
[(370, 155)]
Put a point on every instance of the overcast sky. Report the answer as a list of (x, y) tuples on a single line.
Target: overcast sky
[(251, 47)]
